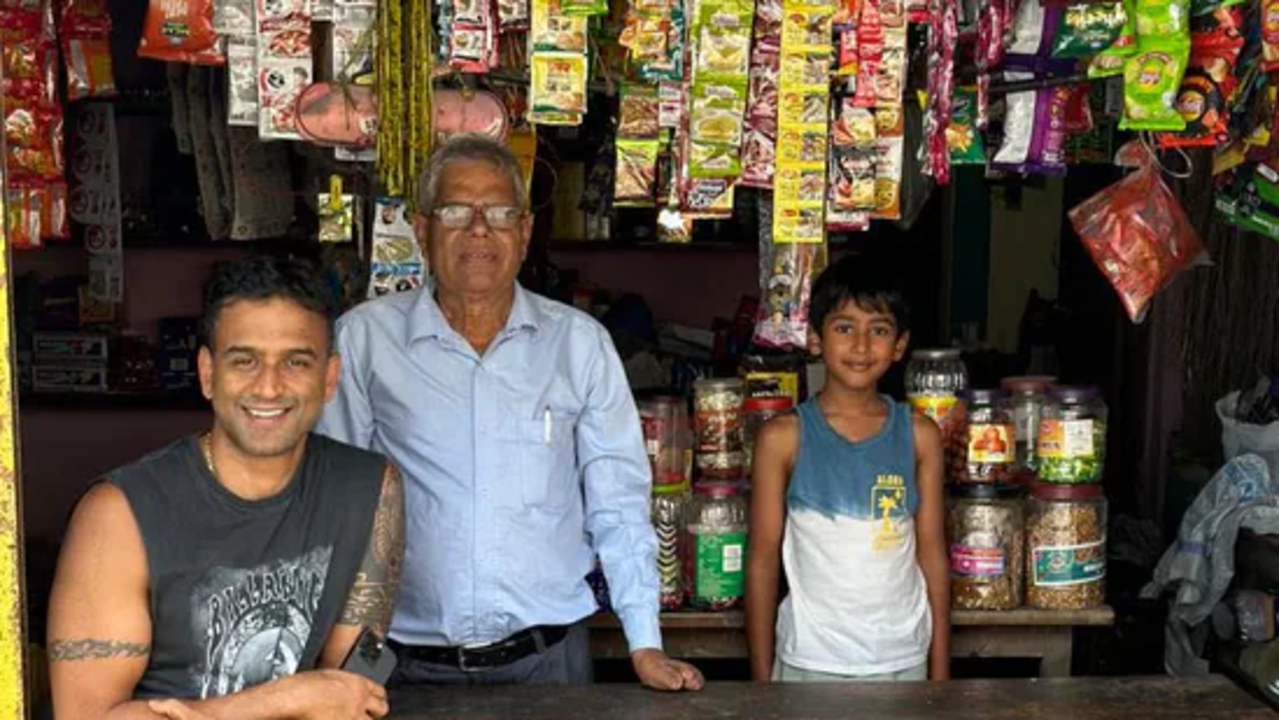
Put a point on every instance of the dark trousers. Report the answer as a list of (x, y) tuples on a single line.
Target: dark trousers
[(567, 662)]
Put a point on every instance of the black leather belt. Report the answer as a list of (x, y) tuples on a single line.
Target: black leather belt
[(486, 657)]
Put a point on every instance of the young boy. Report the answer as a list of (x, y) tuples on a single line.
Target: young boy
[(847, 496)]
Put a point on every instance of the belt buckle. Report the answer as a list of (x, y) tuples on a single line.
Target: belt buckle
[(461, 658)]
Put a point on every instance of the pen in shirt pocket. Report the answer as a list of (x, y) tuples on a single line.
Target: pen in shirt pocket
[(546, 425)]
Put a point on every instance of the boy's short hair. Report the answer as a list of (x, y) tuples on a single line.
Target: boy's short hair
[(266, 278), (866, 283)]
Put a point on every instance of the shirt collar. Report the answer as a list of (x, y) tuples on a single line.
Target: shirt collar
[(426, 319)]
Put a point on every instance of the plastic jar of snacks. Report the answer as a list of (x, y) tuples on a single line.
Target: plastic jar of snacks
[(664, 419), (1071, 448), (1066, 547), (758, 411), (1026, 398), (715, 525), (935, 380), (985, 525), (718, 402), (669, 503), (986, 451)]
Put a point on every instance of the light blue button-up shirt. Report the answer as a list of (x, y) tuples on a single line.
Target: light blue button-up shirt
[(521, 465)]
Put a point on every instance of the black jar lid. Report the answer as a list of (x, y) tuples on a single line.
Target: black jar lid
[(987, 491)]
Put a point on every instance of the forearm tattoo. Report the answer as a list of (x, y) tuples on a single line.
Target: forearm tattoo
[(93, 649), (377, 582)]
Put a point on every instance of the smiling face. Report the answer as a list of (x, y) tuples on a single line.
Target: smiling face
[(477, 259), (859, 345), (268, 371)]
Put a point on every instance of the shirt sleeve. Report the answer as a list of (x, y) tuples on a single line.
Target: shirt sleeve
[(348, 417), (618, 487)]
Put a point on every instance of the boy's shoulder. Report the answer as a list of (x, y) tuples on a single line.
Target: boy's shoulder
[(781, 431), (925, 430)]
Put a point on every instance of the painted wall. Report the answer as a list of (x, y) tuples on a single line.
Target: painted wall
[(1024, 247)]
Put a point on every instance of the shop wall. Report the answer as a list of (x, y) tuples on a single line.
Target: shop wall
[(1024, 241)]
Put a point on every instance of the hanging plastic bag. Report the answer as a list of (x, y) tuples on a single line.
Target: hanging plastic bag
[(181, 31), (1138, 235)]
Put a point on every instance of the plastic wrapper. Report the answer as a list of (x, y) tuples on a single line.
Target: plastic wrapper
[(1078, 116), (786, 283), (557, 92), (512, 15), (180, 31), (944, 16), (552, 30), (1162, 19), (962, 137), (1152, 80), (638, 114), (1032, 29), (1110, 61), (337, 218), (1270, 35), (1139, 237), (1087, 29), (870, 53), (634, 182), (242, 83), (1034, 133), (233, 18), (86, 33)]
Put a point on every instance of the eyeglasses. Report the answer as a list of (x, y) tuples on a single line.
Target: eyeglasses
[(458, 216)]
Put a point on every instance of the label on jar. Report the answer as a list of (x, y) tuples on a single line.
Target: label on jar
[(1066, 439), (990, 444), (719, 430), (1056, 566), (937, 407), (720, 565), (979, 562)]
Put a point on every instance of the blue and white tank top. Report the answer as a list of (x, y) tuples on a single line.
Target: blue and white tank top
[(858, 603)]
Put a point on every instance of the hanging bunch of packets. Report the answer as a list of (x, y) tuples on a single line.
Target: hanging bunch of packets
[(284, 64), (353, 28), (803, 105), (655, 39), (718, 98), (558, 66), (759, 146), (469, 37), (638, 146), (850, 192)]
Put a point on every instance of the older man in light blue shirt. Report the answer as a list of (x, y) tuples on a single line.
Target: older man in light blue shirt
[(513, 424)]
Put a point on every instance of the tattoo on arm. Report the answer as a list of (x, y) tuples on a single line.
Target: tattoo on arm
[(377, 582), (93, 649)]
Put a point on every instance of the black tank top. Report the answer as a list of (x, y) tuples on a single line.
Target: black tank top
[(245, 592)]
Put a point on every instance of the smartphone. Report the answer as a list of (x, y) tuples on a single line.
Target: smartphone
[(371, 658)]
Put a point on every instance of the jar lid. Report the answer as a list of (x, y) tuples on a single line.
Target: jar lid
[(1076, 393), (717, 488), (936, 354), (671, 489), (1049, 491), (718, 383), (1026, 384), (987, 491), (985, 395), (777, 403)]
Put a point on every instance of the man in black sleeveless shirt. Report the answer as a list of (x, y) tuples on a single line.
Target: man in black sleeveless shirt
[(229, 574)]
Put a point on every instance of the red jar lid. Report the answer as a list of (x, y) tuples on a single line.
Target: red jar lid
[(775, 403)]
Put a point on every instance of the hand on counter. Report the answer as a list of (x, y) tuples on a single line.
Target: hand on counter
[(659, 672)]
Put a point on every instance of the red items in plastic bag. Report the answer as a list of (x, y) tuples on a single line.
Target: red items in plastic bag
[(181, 31), (1139, 236)]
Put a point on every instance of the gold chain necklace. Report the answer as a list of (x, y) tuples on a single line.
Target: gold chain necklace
[(206, 444)]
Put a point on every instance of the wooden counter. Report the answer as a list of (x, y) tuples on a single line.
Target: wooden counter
[(1046, 635), (1162, 698)]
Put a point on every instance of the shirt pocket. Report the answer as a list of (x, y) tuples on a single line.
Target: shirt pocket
[(548, 462)]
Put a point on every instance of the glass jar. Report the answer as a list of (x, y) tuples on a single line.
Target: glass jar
[(985, 526), (719, 403), (1066, 547), (669, 503), (664, 419), (935, 380), (757, 411), (986, 451), (1071, 448), (1026, 397), (715, 523)]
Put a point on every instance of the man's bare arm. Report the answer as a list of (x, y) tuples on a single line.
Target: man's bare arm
[(377, 582)]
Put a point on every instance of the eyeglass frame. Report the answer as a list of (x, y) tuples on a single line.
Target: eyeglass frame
[(483, 211)]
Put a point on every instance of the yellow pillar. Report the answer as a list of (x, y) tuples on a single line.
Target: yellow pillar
[(12, 612)]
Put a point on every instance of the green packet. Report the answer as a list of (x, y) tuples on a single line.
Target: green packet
[(962, 137), (1085, 30), (1163, 19), (1111, 60), (1152, 79)]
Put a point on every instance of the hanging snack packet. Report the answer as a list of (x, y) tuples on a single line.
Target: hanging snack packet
[(962, 137), (1111, 60), (1085, 30), (1270, 35), (786, 272), (337, 218), (1139, 237), (1162, 19), (1152, 79), (180, 31), (638, 114), (635, 181)]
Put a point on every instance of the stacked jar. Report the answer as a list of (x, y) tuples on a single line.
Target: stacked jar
[(715, 533), (935, 380), (1067, 514), (719, 451), (985, 444), (1027, 396), (668, 440), (756, 412)]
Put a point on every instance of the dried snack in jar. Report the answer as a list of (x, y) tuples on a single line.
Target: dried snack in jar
[(1066, 548), (985, 528)]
